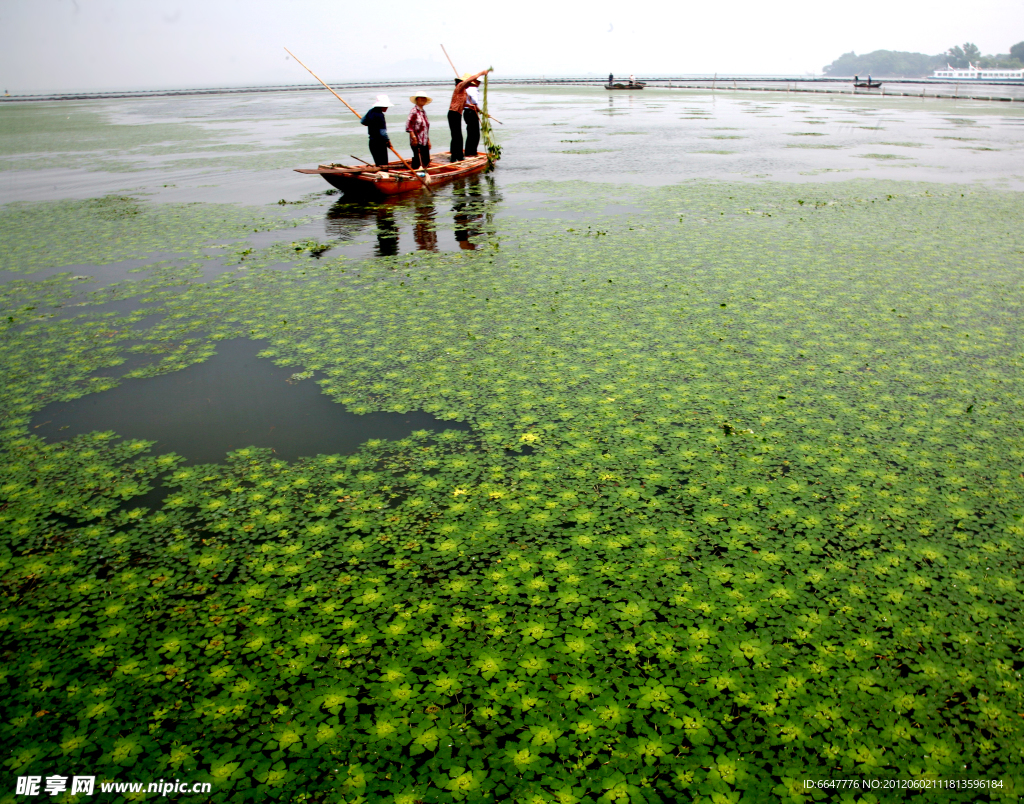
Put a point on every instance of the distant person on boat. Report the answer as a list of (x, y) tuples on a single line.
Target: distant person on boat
[(419, 132), (471, 115), (631, 79), (378, 130), (455, 109), (611, 79)]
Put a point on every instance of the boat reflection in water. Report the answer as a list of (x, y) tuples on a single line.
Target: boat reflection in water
[(389, 226)]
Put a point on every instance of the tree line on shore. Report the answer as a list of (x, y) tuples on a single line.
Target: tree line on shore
[(915, 65)]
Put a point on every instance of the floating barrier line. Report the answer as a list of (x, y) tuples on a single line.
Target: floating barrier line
[(681, 82)]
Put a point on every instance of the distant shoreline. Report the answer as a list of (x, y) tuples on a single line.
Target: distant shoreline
[(653, 82)]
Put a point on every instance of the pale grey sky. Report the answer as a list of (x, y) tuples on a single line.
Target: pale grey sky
[(52, 45)]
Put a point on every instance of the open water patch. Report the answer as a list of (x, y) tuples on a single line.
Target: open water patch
[(230, 401)]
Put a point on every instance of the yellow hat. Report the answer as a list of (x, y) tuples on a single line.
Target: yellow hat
[(413, 98), (466, 76)]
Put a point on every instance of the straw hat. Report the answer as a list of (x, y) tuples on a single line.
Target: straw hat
[(421, 95), (466, 76), (383, 101)]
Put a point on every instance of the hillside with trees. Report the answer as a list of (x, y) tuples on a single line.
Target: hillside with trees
[(903, 64)]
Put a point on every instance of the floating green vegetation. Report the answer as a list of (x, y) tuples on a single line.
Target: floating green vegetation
[(806, 133), (741, 505), (711, 151), (115, 228), (814, 145), (586, 150), (883, 156)]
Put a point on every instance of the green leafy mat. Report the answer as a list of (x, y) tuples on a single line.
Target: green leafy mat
[(741, 506)]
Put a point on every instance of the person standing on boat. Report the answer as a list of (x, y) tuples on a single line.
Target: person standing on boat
[(378, 130), (419, 132), (455, 109), (472, 117)]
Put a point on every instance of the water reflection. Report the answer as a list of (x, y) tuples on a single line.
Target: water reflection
[(467, 212), (424, 231), (385, 227), (387, 232), (473, 202), (346, 219)]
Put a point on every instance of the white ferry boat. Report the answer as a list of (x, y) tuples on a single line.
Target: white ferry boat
[(972, 73)]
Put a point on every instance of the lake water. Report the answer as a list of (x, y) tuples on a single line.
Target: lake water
[(226, 148), (241, 150)]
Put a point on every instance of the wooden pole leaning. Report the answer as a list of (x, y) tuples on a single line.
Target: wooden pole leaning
[(423, 181), (450, 61)]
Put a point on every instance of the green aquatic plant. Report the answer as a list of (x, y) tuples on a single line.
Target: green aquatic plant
[(117, 228), (740, 505), (487, 131)]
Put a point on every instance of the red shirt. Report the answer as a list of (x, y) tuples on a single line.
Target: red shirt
[(459, 96), (418, 125)]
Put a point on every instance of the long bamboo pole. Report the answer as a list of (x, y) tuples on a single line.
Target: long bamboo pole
[(423, 181), (450, 61)]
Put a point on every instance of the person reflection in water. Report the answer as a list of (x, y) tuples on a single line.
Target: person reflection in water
[(387, 232), (468, 214), (423, 231)]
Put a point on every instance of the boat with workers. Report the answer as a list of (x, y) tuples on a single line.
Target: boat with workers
[(392, 178), (395, 177), (631, 84)]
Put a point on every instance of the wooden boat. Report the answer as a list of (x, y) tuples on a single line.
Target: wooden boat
[(395, 178), (869, 84), (634, 85)]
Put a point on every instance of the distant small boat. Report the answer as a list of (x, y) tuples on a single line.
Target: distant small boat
[(394, 177), (869, 84), (634, 85)]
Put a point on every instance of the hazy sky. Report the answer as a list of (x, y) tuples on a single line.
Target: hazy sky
[(131, 44)]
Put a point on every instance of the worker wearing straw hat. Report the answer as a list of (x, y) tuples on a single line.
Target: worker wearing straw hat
[(455, 109), (419, 131), (378, 130)]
